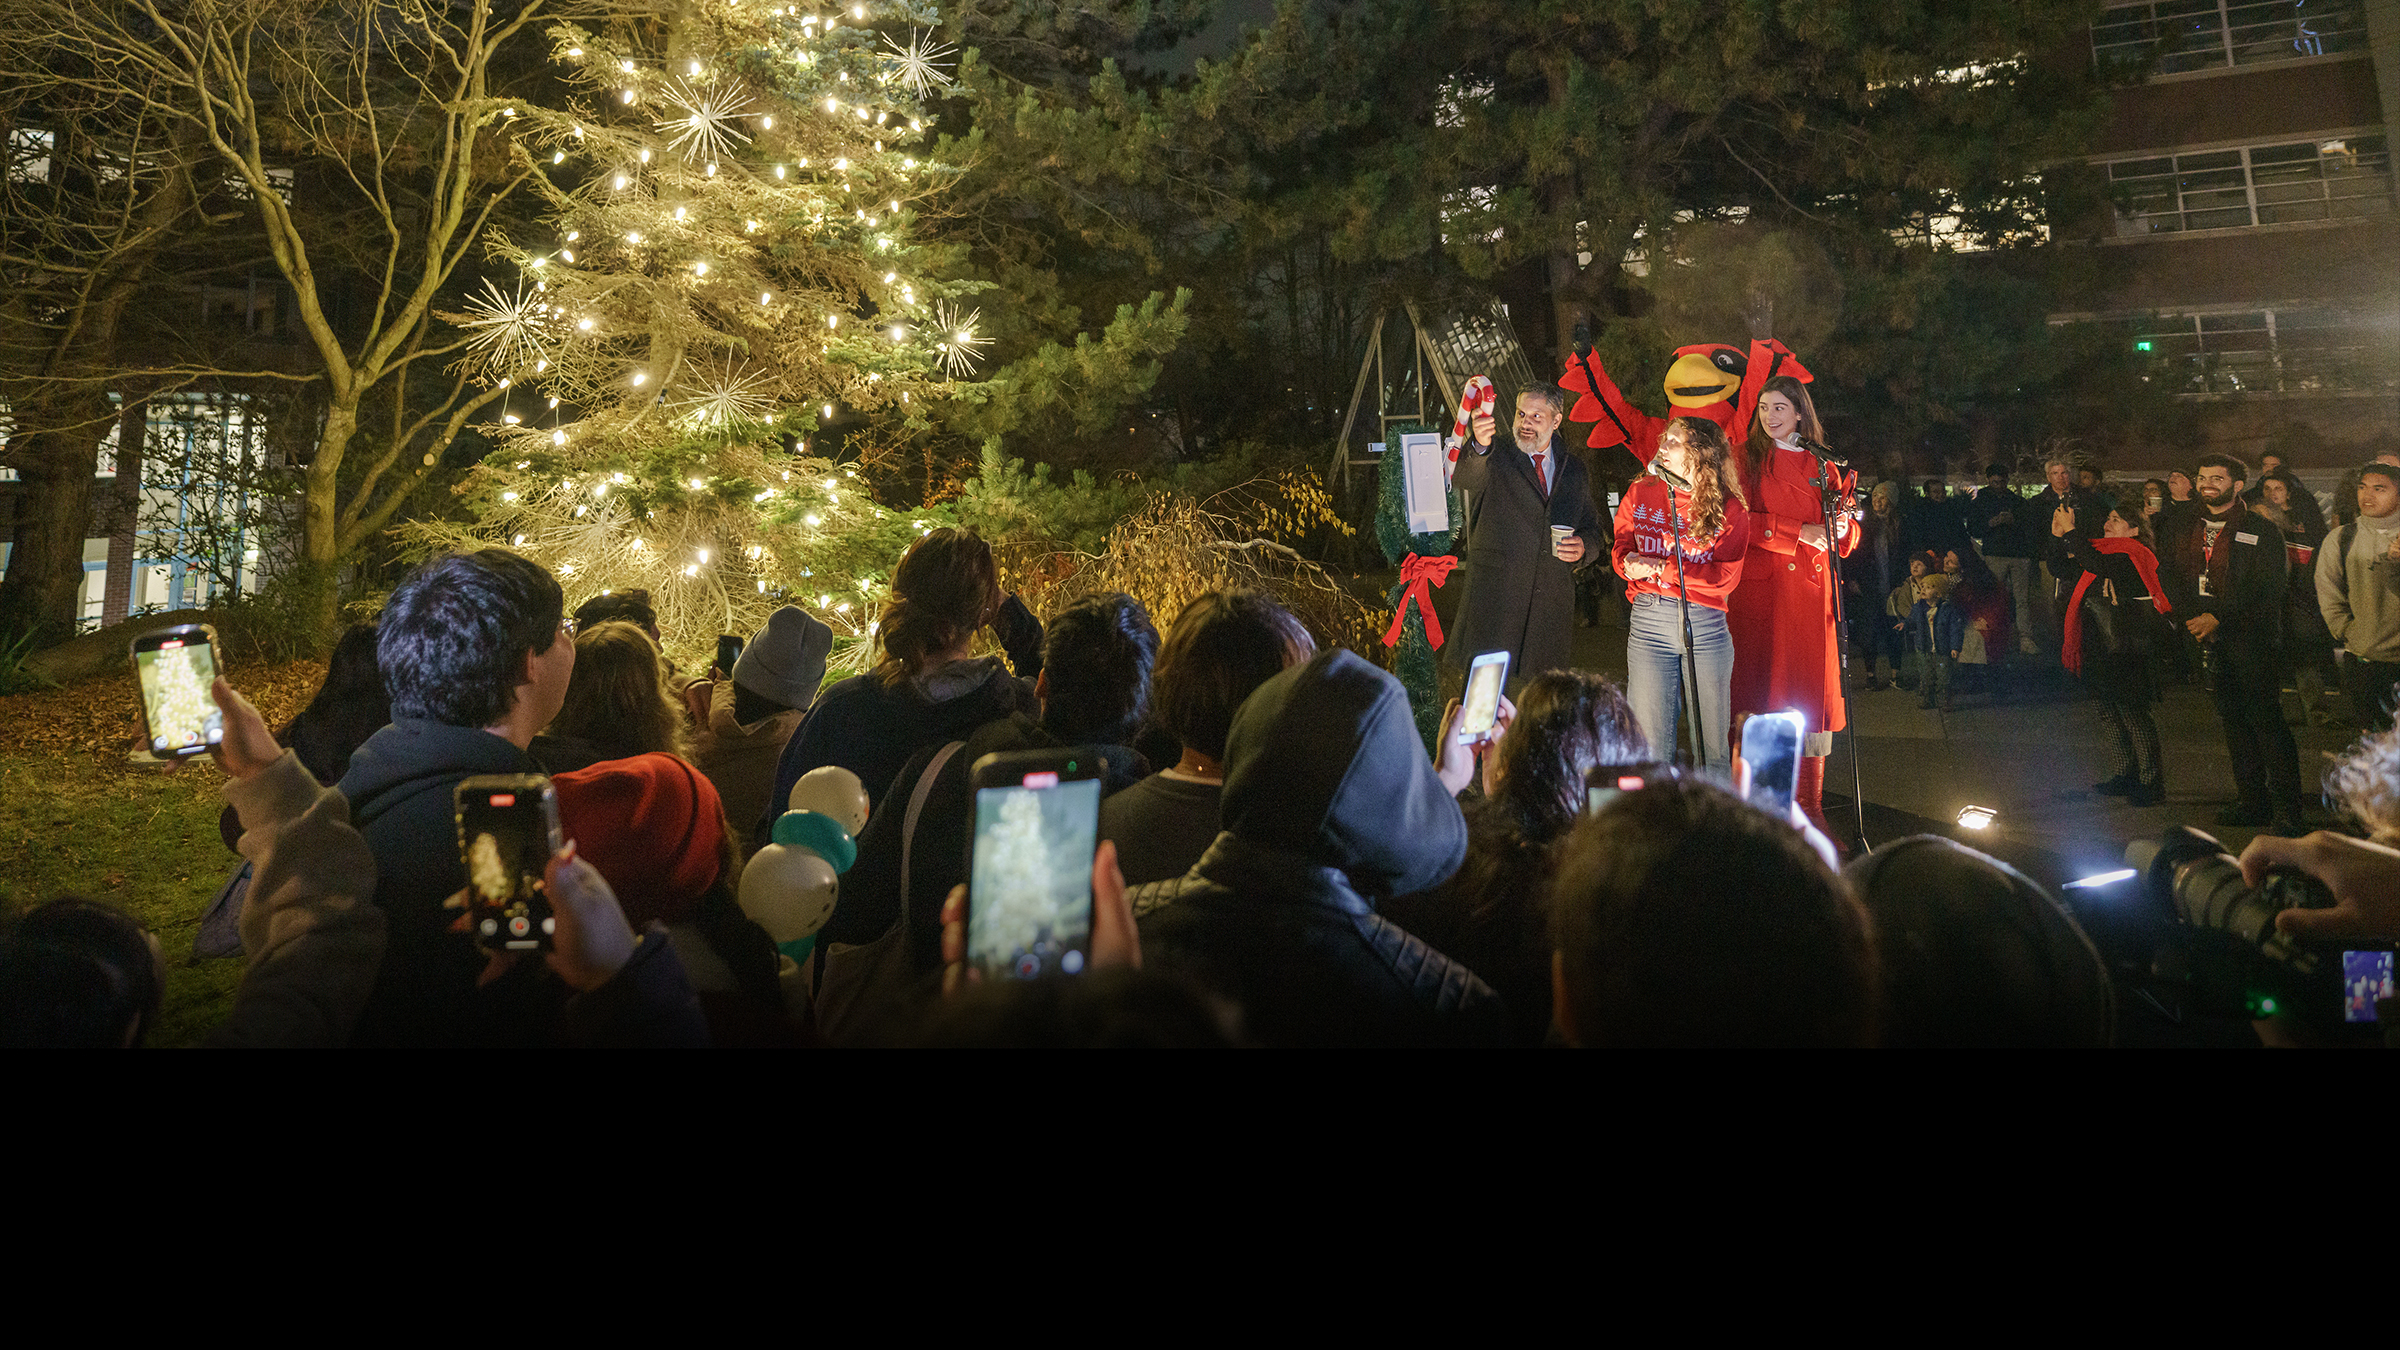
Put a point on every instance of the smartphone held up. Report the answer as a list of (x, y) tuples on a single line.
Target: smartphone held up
[(1771, 744), (1480, 712), (176, 666), (507, 834), (1029, 864)]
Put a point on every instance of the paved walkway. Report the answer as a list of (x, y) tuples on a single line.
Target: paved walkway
[(2032, 759)]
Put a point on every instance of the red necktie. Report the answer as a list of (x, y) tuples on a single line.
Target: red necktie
[(1541, 470)]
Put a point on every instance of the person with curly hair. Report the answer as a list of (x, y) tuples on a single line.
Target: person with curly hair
[(1707, 521)]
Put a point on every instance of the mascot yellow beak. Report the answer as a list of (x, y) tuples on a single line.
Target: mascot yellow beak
[(1704, 375)]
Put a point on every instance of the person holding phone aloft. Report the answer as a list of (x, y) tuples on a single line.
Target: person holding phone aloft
[(1531, 520), (1781, 615), (1712, 519)]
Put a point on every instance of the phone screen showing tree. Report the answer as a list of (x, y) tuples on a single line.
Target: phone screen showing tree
[(175, 675), (1029, 898), (504, 838)]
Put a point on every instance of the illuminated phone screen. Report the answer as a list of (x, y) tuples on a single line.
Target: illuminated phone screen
[(1029, 900), (175, 678), (1481, 709), (2366, 977), (504, 839)]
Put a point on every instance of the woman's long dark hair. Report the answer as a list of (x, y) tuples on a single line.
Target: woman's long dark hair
[(1810, 428), (1568, 722), (945, 588), (2306, 516), (349, 707)]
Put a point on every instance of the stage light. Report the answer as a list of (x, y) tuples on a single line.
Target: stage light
[(1976, 817), (2093, 883)]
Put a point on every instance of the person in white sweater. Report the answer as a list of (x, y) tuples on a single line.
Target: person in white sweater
[(2358, 588)]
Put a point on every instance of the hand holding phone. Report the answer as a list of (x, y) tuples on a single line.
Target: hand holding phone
[(247, 747), (1029, 862), (729, 651), (178, 669), (1771, 744), (1116, 942), (1482, 705), (507, 835)]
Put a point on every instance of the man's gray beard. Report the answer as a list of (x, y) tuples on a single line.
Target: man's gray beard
[(1540, 444)]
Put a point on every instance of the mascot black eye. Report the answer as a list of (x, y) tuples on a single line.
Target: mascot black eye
[(1728, 360)]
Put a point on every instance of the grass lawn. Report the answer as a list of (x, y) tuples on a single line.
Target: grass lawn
[(77, 818)]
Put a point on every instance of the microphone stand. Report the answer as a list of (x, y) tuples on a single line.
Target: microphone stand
[(1697, 744), (1829, 492)]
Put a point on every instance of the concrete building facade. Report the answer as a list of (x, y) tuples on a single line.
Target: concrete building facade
[(2253, 247)]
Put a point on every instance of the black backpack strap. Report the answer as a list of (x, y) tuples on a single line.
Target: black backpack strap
[(916, 808)]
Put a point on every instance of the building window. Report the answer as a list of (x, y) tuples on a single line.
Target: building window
[(2255, 185), (29, 154), (2294, 350), (2217, 34)]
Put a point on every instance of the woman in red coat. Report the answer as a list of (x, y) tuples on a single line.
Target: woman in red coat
[(1786, 653)]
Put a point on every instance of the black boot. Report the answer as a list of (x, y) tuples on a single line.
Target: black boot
[(2123, 785), (2148, 794)]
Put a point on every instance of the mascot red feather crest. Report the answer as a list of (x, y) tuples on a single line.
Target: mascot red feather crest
[(1710, 379)]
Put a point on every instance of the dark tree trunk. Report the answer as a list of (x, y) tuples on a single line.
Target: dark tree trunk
[(54, 505)]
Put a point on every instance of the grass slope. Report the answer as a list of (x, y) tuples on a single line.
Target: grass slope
[(78, 818)]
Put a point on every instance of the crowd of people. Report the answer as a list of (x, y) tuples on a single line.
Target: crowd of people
[(1282, 862), (2216, 574)]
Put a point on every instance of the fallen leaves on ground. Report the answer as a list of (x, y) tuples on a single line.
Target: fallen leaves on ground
[(102, 717)]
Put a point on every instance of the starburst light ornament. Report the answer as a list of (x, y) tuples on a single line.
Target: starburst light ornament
[(706, 131), (913, 65), (726, 397), (508, 330), (957, 339)]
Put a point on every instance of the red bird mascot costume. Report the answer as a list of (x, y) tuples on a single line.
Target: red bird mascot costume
[(1786, 653)]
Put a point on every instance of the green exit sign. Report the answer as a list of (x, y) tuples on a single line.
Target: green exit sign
[(2142, 346)]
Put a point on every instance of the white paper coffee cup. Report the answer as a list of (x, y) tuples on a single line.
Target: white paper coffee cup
[(1559, 535)]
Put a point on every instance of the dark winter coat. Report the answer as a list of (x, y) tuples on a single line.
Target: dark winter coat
[(2122, 676), (871, 728), (2250, 608), (1519, 597), (1329, 802), (399, 785), (869, 900)]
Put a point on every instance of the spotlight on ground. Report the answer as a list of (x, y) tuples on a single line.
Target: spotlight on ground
[(2093, 883), (1976, 817)]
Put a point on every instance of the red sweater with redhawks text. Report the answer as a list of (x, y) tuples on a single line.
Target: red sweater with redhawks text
[(1710, 566)]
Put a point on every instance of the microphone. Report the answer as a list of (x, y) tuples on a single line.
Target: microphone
[(1674, 479), (1823, 452)]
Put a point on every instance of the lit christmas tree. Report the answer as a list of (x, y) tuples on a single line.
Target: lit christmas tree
[(732, 261)]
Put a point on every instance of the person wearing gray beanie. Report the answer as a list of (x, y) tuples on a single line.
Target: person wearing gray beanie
[(745, 720), (785, 661)]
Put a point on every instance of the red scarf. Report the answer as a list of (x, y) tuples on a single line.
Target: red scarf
[(2070, 651)]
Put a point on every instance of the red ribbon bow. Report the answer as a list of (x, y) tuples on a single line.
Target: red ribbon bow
[(1414, 573)]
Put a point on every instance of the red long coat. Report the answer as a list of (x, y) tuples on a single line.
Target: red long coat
[(1785, 652)]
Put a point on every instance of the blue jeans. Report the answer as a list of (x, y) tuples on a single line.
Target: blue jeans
[(1654, 676)]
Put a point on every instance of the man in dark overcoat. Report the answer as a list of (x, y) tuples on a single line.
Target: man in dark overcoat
[(1521, 589)]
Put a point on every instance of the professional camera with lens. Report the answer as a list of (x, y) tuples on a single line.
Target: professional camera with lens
[(2183, 929)]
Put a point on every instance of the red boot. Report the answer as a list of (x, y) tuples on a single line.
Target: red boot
[(1808, 793)]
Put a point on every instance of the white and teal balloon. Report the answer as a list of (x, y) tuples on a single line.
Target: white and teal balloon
[(834, 792), (791, 885)]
